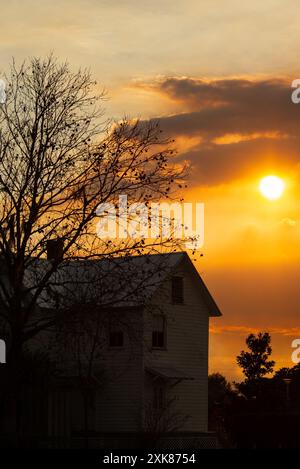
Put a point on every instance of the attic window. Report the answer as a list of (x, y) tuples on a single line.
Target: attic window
[(177, 290)]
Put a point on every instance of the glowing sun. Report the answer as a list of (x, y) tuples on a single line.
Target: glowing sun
[(271, 187)]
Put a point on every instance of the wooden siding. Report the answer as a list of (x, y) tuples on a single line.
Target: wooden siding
[(186, 349), (119, 401)]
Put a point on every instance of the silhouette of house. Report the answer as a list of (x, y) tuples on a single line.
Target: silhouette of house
[(149, 369)]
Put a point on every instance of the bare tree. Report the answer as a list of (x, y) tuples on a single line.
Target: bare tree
[(58, 161), (161, 421)]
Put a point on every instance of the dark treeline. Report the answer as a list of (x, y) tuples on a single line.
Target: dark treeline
[(260, 411)]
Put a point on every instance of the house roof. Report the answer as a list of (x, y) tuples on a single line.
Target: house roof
[(168, 372), (115, 282)]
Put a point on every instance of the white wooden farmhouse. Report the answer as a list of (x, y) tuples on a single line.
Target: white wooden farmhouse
[(148, 376)]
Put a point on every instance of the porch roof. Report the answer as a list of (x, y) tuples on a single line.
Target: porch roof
[(167, 372)]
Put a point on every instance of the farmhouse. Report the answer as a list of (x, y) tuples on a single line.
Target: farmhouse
[(141, 325)]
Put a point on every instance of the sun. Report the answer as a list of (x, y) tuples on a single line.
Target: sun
[(271, 187)]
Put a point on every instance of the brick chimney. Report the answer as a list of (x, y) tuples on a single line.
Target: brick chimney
[(55, 249)]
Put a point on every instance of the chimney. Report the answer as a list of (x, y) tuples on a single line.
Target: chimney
[(55, 249)]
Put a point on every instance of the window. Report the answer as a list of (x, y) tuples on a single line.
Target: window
[(177, 290), (159, 397), (116, 338), (82, 409), (159, 332)]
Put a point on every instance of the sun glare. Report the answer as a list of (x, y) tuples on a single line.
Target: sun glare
[(271, 187)]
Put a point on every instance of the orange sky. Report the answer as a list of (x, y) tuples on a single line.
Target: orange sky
[(234, 132), (218, 75)]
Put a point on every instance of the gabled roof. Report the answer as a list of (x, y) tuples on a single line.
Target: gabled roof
[(115, 282), (208, 299)]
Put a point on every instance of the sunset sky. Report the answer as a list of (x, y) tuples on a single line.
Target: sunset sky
[(219, 75)]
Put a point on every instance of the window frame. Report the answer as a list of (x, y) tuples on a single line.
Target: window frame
[(164, 332), (159, 396), (177, 300)]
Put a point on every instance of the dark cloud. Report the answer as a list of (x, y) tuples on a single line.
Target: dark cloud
[(260, 113), (202, 93), (216, 164)]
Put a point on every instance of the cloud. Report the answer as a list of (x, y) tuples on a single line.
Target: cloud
[(228, 139), (245, 330), (232, 91), (240, 123)]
